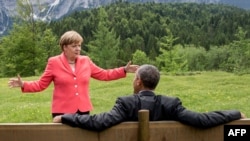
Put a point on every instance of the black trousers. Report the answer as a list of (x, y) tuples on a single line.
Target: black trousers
[(78, 112)]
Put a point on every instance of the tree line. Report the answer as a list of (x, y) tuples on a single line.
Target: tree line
[(176, 37)]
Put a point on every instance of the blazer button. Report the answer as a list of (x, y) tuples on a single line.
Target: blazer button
[(76, 93)]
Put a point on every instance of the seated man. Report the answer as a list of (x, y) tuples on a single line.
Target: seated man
[(160, 108)]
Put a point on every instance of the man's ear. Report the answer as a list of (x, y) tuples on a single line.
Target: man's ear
[(138, 81)]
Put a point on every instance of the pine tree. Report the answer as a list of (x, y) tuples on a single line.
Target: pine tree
[(104, 48), (170, 60)]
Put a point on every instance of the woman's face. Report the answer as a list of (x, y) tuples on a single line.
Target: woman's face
[(72, 50)]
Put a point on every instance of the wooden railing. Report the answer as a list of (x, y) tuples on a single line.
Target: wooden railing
[(126, 131)]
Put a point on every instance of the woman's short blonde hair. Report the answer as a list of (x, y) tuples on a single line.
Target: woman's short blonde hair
[(70, 37)]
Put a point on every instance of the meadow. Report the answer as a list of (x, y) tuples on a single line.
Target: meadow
[(201, 92)]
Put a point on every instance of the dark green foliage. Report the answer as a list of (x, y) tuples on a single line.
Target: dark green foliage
[(140, 58), (28, 46), (140, 26), (104, 48), (240, 53), (196, 58), (202, 36), (21, 53), (171, 59), (217, 59)]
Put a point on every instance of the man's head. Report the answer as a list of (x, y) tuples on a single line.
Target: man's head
[(146, 78)]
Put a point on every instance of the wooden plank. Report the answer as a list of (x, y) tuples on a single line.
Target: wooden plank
[(126, 131), (44, 132), (174, 131)]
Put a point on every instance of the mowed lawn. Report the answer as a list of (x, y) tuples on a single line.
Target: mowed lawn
[(203, 92)]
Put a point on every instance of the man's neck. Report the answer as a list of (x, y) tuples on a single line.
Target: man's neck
[(145, 90)]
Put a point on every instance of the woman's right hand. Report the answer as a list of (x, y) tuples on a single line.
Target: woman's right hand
[(15, 82)]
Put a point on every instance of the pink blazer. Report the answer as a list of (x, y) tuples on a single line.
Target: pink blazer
[(71, 88)]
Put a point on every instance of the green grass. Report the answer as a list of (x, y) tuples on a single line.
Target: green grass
[(202, 92)]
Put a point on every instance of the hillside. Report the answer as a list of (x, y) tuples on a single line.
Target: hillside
[(47, 10)]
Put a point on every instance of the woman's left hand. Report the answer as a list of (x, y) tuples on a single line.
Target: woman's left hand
[(129, 68)]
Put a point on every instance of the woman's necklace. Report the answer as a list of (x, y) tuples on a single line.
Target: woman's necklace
[(71, 62), (72, 65)]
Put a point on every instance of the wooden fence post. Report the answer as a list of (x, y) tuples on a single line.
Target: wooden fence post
[(143, 133)]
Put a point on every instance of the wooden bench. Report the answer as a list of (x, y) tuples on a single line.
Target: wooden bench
[(126, 131)]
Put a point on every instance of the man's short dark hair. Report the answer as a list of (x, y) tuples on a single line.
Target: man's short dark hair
[(149, 76)]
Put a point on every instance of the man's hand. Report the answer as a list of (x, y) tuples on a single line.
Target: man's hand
[(57, 119), (243, 115)]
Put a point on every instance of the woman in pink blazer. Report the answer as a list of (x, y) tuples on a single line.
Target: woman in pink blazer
[(71, 73)]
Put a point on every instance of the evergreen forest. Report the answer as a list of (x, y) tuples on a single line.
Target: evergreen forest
[(176, 37)]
